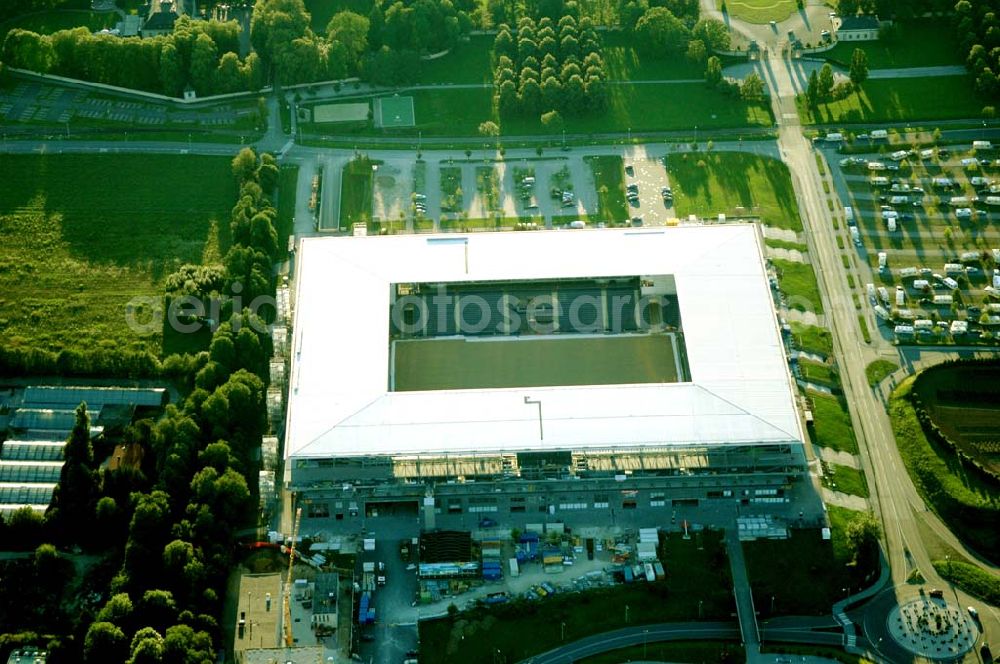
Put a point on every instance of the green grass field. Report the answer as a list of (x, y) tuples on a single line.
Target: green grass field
[(804, 574), (625, 63), (80, 236), (458, 364), (922, 44), (356, 192), (759, 11), (798, 282), (812, 339), (815, 372), (734, 183), (639, 107), (697, 575), (46, 23), (609, 182), (887, 100), (832, 423), (971, 579), (848, 480), (467, 62), (878, 370)]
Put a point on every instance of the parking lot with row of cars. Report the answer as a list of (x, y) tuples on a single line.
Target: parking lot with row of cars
[(924, 221)]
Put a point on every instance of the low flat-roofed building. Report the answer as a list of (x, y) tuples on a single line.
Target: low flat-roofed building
[(294, 655), (858, 28), (258, 617), (326, 593)]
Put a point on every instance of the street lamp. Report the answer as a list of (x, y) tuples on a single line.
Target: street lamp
[(562, 631), (626, 614), (645, 633)]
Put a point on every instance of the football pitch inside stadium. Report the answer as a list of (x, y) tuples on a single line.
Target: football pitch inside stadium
[(498, 362)]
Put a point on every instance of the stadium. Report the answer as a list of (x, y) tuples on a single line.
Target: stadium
[(552, 371)]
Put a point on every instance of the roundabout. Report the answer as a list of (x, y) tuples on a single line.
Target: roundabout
[(932, 628)]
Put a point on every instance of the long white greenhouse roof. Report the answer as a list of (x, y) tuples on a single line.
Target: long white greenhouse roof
[(740, 391)]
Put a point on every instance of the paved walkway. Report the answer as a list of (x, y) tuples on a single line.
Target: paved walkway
[(744, 598), (846, 500), (839, 457), (918, 72)]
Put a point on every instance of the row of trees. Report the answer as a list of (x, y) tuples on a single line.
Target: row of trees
[(383, 47), (547, 66), (977, 24), (199, 53), (661, 34), (899, 9)]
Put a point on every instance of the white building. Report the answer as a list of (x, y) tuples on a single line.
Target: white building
[(858, 28), (360, 432)]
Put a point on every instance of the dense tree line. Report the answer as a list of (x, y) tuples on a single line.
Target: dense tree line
[(978, 30), (383, 47), (898, 9), (197, 53), (547, 66), (173, 520)]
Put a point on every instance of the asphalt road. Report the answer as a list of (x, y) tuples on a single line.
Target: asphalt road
[(893, 494)]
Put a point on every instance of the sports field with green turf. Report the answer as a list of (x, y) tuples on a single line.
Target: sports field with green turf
[(497, 362)]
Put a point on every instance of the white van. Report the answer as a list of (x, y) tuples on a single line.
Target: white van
[(883, 294), (881, 312), (876, 166), (943, 300), (855, 235), (849, 215), (991, 200), (877, 134), (883, 260), (921, 284), (890, 224), (900, 296), (899, 155), (950, 283), (870, 289), (907, 272), (964, 213), (578, 224), (982, 145), (835, 137), (954, 268), (879, 181)]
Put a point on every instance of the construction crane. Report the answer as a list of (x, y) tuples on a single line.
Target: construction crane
[(286, 600)]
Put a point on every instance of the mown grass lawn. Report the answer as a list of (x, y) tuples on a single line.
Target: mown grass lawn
[(637, 107), (45, 23), (798, 282), (759, 11), (468, 62), (81, 235), (832, 423), (970, 578), (922, 44), (609, 181), (812, 339), (816, 372), (848, 480), (734, 183), (697, 573), (876, 371), (892, 99)]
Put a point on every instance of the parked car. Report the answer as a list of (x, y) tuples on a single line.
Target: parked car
[(487, 522), (936, 593)]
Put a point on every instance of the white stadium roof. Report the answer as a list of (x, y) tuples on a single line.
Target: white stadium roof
[(340, 405)]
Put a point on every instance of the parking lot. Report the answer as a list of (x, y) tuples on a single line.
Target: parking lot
[(926, 223), (649, 175)]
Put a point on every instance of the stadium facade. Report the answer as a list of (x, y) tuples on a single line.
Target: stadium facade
[(499, 374)]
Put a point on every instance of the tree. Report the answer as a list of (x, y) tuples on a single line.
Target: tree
[(351, 30), (204, 61), (489, 129), (825, 81), (859, 67), (78, 448), (862, 536), (696, 52), (376, 25), (713, 71), (713, 33), (848, 7), (552, 121), (104, 642), (812, 89), (275, 24), (660, 33), (753, 87), (230, 75), (245, 164)]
